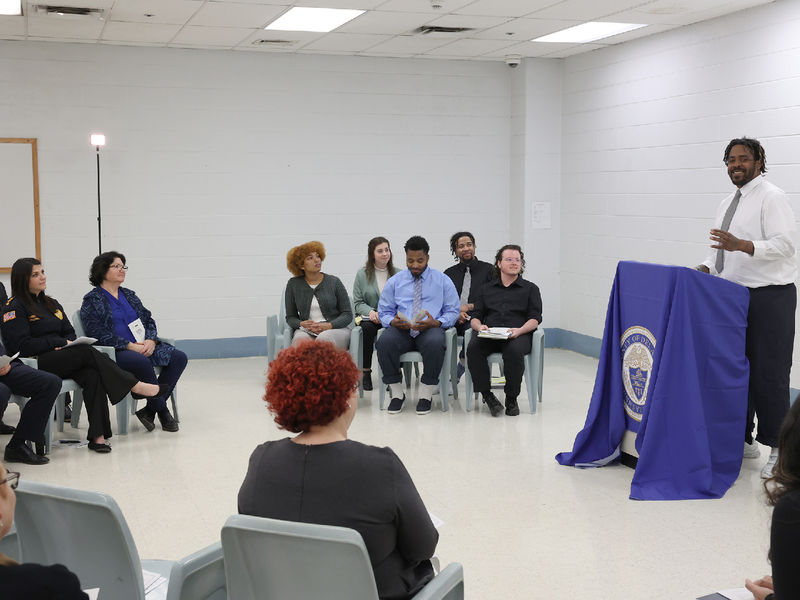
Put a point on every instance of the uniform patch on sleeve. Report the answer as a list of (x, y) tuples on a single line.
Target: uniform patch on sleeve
[(59, 315), (12, 314)]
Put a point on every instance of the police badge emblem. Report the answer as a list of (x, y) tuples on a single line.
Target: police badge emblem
[(637, 347)]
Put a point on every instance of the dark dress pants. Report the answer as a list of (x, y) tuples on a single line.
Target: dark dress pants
[(98, 375), (513, 350), (770, 340), (142, 367), (369, 331), (429, 343), (42, 388)]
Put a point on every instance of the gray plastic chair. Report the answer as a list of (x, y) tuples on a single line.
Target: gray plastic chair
[(447, 375), (86, 532), (67, 385), (9, 545), (126, 406), (534, 369), (268, 559)]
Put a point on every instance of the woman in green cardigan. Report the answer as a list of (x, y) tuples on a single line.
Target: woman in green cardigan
[(367, 289), (317, 305)]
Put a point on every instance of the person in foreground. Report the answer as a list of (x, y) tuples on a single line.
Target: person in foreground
[(416, 307), (42, 388), (754, 247), (39, 582), (34, 324), (116, 317), (783, 492), (507, 301), (317, 304), (319, 476), (367, 289)]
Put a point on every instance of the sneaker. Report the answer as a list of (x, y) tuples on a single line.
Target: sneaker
[(423, 406), (512, 408), (751, 450), (460, 371), (766, 472), (396, 405), (494, 405)]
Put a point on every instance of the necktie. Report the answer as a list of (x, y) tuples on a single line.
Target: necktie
[(465, 287), (416, 305), (726, 223)]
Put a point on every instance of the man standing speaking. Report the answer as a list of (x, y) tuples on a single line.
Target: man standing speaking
[(753, 246)]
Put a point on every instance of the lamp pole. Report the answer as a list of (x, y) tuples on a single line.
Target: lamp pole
[(97, 140)]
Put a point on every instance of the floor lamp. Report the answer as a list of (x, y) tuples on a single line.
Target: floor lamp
[(97, 140)]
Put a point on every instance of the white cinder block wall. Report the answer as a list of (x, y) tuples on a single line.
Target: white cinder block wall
[(217, 162), (645, 127)]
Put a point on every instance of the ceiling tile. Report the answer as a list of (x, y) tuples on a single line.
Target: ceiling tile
[(357, 4), (407, 45), (584, 10), (12, 25), (211, 36), (574, 49), (298, 39), (470, 48), (423, 6), (163, 11), (386, 23), (505, 8), (65, 27), (527, 49), (344, 42), (523, 30), (229, 14), (140, 32), (475, 22)]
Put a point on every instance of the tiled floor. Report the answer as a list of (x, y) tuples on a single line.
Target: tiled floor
[(522, 526)]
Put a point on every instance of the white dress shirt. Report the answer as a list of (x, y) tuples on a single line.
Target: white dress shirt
[(765, 218)]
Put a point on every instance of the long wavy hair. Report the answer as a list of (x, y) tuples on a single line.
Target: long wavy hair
[(786, 475), (20, 285), (369, 267)]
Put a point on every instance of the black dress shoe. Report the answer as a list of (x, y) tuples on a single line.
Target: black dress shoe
[(100, 448), (147, 417), (494, 404), (167, 422), (6, 429), (366, 381), (25, 455)]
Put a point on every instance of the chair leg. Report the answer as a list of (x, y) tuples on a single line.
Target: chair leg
[(59, 408), (48, 431), (381, 386), (174, 397), (77, 406), (123, 416)]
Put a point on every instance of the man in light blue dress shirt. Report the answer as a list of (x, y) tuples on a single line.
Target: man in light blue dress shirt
[(415, 307)]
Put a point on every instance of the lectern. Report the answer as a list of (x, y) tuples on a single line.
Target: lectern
[(672, 370)]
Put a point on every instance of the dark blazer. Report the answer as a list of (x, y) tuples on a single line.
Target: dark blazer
[(480, 272), (98, 322), (3, 296), (352, 485)]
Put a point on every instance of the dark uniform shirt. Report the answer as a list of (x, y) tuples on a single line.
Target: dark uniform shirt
[(3, 296), (480, 272), (32, 333), (512, 306)]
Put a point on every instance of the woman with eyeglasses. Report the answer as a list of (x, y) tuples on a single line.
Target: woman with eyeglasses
[(42, 582), (35, 325), (116, 317), (320, 476)]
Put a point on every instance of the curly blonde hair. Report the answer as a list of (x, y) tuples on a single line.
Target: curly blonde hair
[(296, 256)]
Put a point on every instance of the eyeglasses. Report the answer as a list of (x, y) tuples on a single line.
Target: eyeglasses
[(12, 479), (512, 260), (118, 267)]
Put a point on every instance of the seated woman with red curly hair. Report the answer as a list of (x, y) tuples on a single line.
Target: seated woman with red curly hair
[(317, 305), (319, 476)]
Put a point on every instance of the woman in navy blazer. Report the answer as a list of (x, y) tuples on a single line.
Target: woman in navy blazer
[(116, 317)]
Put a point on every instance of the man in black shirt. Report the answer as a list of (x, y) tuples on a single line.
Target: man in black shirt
[(468, 276), (507, 301)]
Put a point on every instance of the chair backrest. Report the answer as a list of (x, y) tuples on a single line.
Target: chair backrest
[(270, 559), (85, 531), (77, 324), (282, 324)]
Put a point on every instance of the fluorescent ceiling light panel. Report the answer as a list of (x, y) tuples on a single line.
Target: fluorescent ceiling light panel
[(321, 20), (11, 7), (588, 32)]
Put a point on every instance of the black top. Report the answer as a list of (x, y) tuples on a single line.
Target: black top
[(500, 306), (32, 333), (784, 549), (348, 484), (3, 295), (39, 582), (481, 272)]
